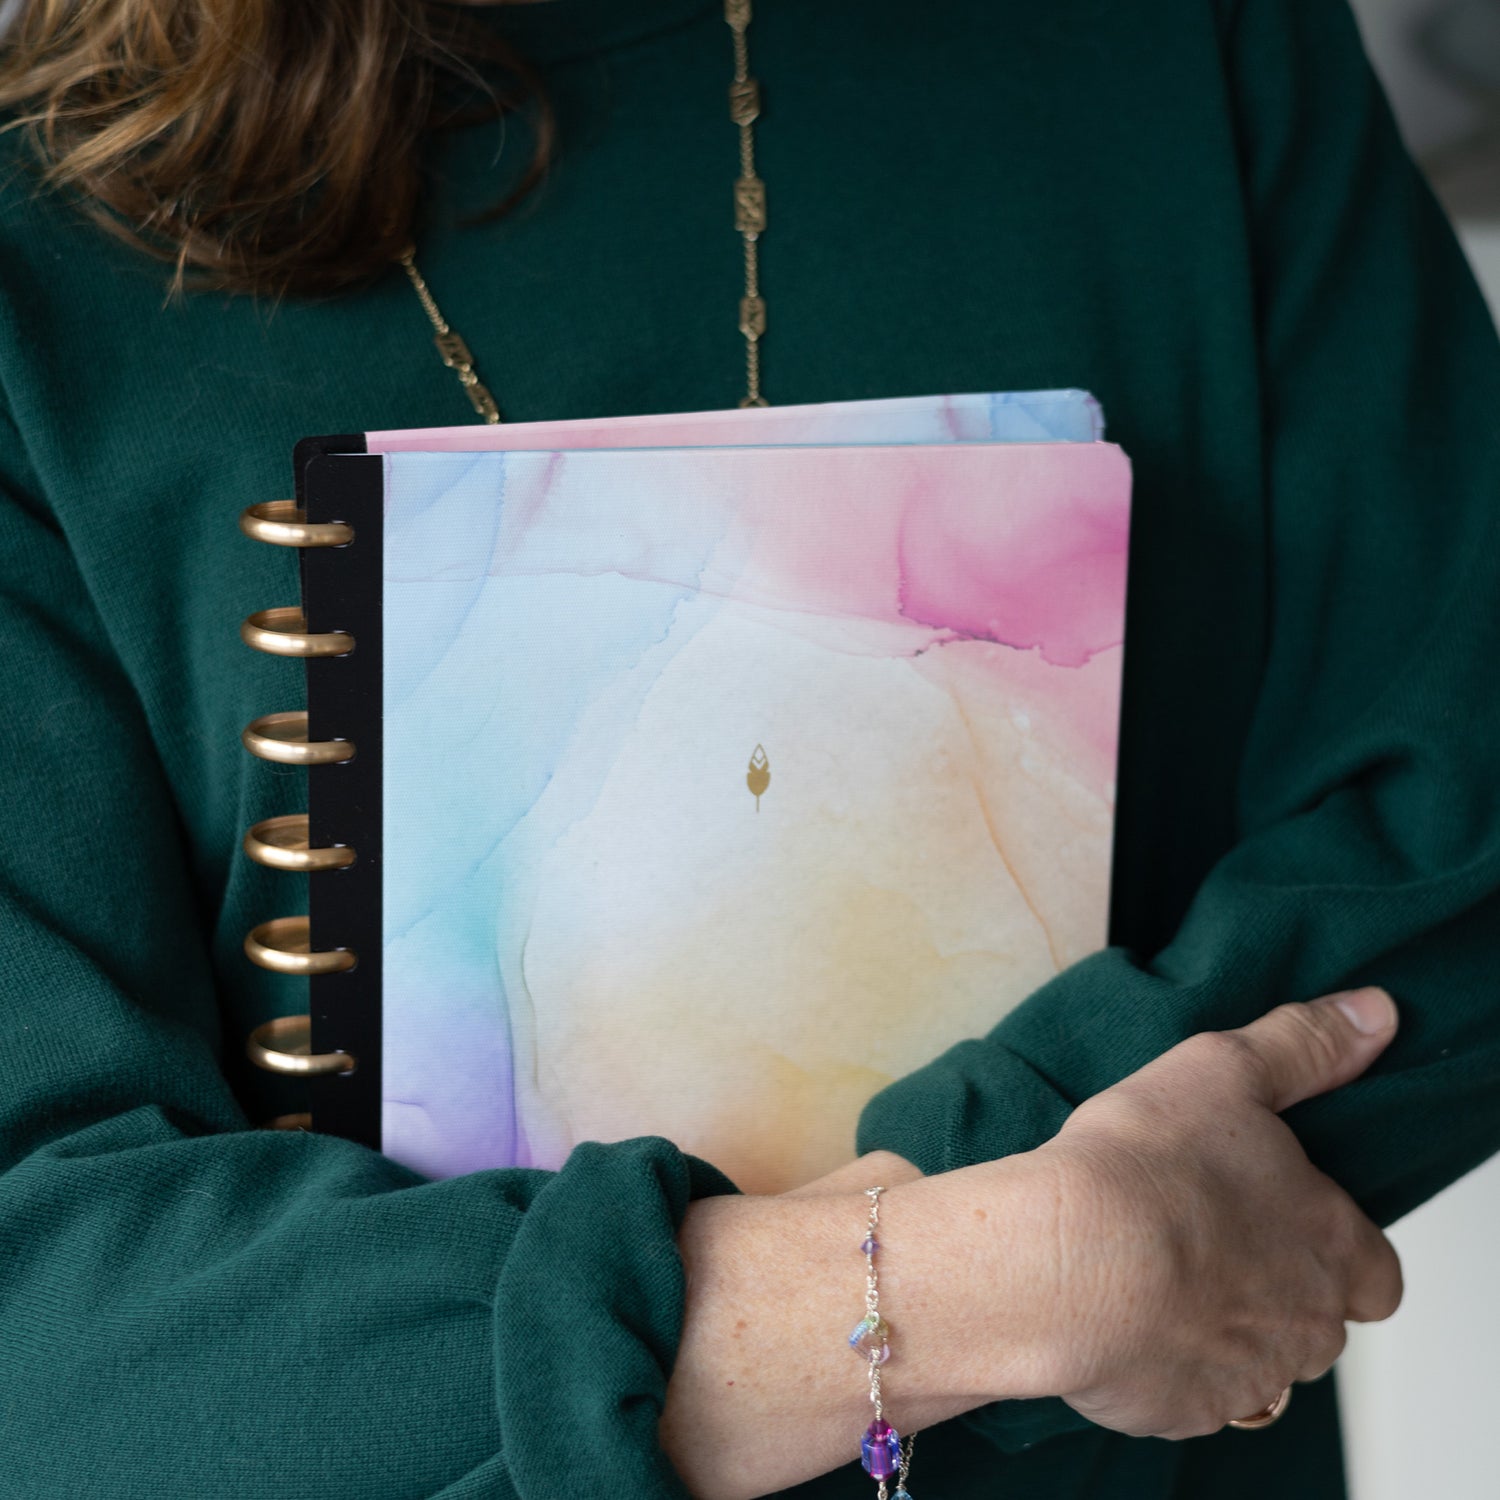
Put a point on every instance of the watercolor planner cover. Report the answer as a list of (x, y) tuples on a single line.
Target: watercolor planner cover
[(723, 785)]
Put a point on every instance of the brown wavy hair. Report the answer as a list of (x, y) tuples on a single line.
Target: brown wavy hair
[(263, 146)]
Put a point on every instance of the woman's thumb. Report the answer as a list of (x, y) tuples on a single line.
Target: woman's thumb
[(1308, 1048)]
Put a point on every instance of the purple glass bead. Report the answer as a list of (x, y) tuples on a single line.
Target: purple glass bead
[(870, 1246), (880, 1450)]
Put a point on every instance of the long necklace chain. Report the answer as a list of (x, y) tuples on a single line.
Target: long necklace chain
[(749, 222), (450, 344), (749, 197)]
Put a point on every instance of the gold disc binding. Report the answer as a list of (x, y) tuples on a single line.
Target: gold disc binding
[(282, 843), (282, 944), (283, 632), (283, 738), (284, 1045), (283, 525)]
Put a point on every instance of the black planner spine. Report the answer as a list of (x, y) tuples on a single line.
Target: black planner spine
[(336, 631)]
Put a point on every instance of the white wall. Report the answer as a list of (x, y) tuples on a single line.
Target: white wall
[(1482, 241), (1421, 1392)]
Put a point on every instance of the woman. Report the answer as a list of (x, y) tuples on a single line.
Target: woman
[(1197, 209)]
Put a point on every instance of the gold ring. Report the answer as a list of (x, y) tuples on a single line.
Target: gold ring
[(294, 1053), (283, 738), (282, 945), (283, 632), (1266, 1415), (283, 525), (282, 844)]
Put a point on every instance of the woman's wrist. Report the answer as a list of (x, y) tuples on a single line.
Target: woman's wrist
[(776, 1283), (970, 1282), (984, 1242), (882, 1167)]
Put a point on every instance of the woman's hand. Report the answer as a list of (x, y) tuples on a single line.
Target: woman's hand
[(1204, 1263), (1170, 1261)]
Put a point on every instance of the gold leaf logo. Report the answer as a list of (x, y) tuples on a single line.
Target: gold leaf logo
[(758, 777)]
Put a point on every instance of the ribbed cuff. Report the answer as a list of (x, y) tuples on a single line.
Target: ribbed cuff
[(588, 1317)]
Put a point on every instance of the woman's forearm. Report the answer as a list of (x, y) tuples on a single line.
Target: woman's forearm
[(766, 1393)]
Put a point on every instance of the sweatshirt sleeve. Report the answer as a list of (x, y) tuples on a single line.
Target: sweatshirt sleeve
[(1368, 799), (191, 1307)]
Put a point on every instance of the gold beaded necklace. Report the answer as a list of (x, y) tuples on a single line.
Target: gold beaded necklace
[(749, 222)]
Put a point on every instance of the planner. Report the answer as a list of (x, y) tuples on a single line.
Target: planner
[(694, 775)]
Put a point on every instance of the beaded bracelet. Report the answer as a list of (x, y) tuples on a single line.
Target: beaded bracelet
[(882, 1453)]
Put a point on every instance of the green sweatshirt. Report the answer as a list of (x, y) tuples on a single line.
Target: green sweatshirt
[(1197, 209)]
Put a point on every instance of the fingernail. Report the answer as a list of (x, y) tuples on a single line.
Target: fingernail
[(1370, 1011)]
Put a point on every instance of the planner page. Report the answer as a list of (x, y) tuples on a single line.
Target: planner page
[(1064, 416)]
